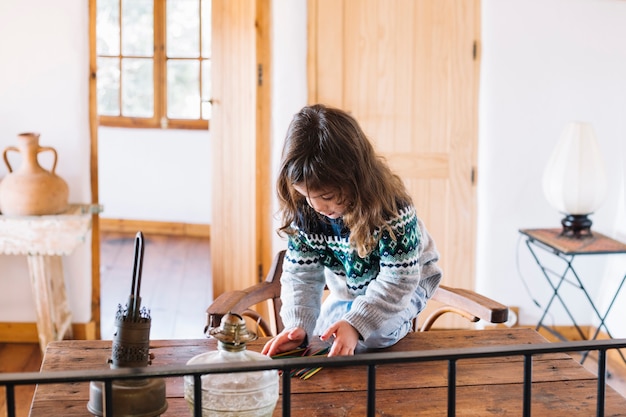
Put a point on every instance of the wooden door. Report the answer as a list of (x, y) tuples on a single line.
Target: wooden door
[(407, 70), (234, 225)]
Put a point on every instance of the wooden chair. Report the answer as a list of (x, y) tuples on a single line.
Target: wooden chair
[(460, 301)]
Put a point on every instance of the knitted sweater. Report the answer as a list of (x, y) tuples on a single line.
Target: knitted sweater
[(380, 285)]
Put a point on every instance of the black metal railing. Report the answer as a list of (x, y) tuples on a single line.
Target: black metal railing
[(370, 360)]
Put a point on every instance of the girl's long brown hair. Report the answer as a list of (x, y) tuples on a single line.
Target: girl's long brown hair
[(325, 148)]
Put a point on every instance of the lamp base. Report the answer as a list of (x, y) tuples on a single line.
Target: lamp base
[(131, 398), (576, 226)]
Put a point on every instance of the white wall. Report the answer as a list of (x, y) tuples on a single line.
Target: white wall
[(545, 63), (289, 79), (154, 174), (44, 88)]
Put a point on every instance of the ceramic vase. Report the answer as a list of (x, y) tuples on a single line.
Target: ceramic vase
[(31, 190)]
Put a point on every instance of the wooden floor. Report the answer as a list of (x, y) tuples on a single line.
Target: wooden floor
[(19, 357), (176, 287), (176, 283)]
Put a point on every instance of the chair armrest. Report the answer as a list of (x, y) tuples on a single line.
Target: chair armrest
[(468, 304), (239, 302)]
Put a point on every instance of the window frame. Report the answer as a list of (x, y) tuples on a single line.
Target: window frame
[(159, 120)]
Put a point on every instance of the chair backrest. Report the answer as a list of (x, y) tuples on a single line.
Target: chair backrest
[(463, 302)]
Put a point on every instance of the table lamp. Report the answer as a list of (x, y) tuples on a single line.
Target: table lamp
[(574, 181)]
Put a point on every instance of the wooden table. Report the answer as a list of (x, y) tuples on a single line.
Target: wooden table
[(485, 387)]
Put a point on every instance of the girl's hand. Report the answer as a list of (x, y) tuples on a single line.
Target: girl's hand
[(346, 338), (287, 340)]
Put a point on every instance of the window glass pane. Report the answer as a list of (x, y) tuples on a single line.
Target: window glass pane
[(206, 28), (108, 86), (108, 27), (137, 87), (126, 61), (183, 28), (183, 89), (137, 27), (206, 89)]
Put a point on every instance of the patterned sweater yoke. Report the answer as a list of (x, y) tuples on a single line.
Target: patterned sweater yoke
[(328, 245)]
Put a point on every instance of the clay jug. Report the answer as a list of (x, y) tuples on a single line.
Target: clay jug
[(31, 190)]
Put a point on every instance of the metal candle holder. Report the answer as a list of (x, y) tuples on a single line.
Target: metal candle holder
[(131, 349)]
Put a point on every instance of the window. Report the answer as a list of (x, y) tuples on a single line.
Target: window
[(153, 63)]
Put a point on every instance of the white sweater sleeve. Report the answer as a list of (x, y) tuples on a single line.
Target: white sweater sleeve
[(302, 286)]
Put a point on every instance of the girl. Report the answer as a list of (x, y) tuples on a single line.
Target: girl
[(352, 227)]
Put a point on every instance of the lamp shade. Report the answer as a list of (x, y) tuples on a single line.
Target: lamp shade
[(574, 181)]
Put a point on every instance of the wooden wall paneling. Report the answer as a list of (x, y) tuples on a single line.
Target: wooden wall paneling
[(457, 32), (26, 332), (406, 70), (234, 227), (325, 63), (265, 188)]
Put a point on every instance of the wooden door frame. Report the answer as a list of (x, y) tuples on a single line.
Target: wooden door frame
[(263, 185), (93, 158), (264, 154)]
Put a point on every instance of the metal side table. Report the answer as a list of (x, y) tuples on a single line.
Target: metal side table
[(567, 249)]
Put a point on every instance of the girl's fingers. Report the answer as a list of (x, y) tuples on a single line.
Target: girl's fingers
[(284, 342)]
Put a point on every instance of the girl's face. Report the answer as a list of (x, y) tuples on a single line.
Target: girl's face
[(325, 201)]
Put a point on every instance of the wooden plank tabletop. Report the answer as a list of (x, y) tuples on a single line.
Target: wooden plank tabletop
[(596, 244), (490, 386)]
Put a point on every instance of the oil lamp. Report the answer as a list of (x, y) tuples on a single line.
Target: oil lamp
[(131, 348), (241, 394)]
